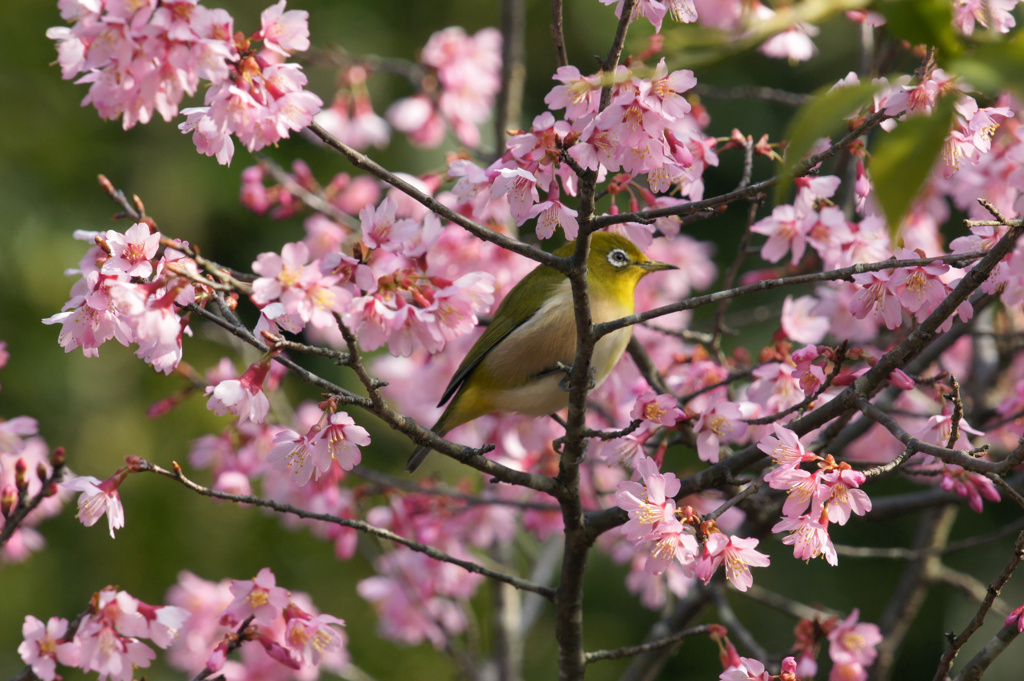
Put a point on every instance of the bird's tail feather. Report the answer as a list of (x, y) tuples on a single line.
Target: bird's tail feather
[(416, 458)]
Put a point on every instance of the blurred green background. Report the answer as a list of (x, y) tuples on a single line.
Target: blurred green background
[(51, 151)]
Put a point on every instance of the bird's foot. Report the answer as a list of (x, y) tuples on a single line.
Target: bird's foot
[(564, 383)]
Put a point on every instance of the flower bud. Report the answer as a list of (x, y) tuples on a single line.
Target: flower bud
[(8, 500), (21, 474), (58, 457)]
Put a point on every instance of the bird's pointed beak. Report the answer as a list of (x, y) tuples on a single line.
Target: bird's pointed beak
[(655, 266)]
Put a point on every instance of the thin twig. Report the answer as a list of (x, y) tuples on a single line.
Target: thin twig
[(25, 504), (766, 94), (387, 482), (837, 366), (313, 199), (363, 162), (801, 169), (629, 651), (235, 641), (956, 643), (252, 500), (844, 273)]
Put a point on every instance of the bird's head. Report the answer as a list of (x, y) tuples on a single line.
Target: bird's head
[(616, 264)]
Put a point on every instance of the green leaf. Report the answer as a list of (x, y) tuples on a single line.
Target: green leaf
[(903, 159), (823, 116), (923, 22), (993, 67)]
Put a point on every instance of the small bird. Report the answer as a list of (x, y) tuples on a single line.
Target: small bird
[(514, 365)]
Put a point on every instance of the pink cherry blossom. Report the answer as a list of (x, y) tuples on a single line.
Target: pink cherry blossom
[(854, 642), (786, 230), (338, 441), (98, 499), (552, 214), (721, 424), (670, 542), (627, 449), (162, 623), (840, 492), (664, 90), (352, 120), (996, 14), (749, 670), (413, 596), (259, 597), (808, 537), (738, 555), (660, 409), (784, 447), (650, 502), (876, 295), (468, 71), (521, 188), (973, 486), (44, 646), (309, 636), (112, 655), (800, 323), (578, 94), (775, 387), (284, 32), (921, 288), (655, 10), (132, 251), (794, 43), (293, 453), (243, 397), (109, 635), (810, 375), (381, 230)]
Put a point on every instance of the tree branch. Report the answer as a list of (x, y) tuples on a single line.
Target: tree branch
[(252, 500)]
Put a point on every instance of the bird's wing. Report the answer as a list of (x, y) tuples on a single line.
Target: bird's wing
[(521, 303)]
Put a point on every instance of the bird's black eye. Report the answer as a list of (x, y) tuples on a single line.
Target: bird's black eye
[(618, 258)]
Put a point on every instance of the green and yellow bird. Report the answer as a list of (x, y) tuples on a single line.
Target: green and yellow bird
[(514, 365)]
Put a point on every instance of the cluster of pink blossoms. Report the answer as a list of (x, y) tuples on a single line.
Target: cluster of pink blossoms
[(737, 18), (858, 310), (125, 292), (107, 639), (334, 438), (852, 649), (285, 633), (666, 534), (814, 499), (416, 597), (647, 130), (388, 295), (25, 463), (996, 15), (884, 295), (144, 57), (463, 78)]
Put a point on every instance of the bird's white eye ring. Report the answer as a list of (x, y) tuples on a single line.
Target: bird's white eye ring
[(618, 257)]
